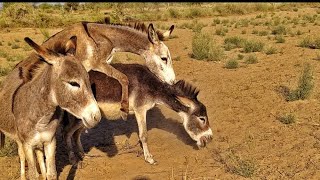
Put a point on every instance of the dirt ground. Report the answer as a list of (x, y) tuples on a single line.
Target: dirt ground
[(243, 105)]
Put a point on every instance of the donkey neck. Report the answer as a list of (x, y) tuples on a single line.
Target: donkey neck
[(33, 99), (122, 38)]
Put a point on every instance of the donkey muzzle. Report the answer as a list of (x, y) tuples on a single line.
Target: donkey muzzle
[(91, 115)]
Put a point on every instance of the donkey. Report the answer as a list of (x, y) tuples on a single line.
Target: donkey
[(30, 112), (145, 91), (98, 42)]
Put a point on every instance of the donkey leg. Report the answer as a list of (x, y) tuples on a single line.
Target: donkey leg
[(41, 162), (77, 138), (68, 138), (32, 169), (123, 80), (142, 125), (22, 161), (50, 152)]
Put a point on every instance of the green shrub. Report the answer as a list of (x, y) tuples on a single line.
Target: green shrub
[(232, 64), (279, 39), (263, 33), (221, 31), (253, 46), (234, 42), (240, 56), (305, 86), (271, 50), (174, 13), (10, 148), (281, 29), (251, 59), (287, 119), (4, 71), (215, 53), (15, 46), (200, 46)]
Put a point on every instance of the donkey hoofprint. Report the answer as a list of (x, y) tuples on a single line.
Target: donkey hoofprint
[(145, 91), (30, 112), (97, 42)]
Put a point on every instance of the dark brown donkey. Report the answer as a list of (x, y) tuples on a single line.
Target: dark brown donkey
[(30, 112), (97, 42), (145, 91)]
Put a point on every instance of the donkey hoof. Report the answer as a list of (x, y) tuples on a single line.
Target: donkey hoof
[(150, 160), (124, 115)]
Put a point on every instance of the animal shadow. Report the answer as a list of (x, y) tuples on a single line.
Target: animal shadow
[(102, 136)]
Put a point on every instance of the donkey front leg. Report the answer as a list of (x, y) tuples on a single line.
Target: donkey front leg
[(22, 161), (41, 162), (32, 169), (123, 80), (68, 139), (77, 138), (50, 152), (142, 125)]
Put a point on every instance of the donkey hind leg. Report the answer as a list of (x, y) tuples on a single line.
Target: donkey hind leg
[(77, 138), (2, 139), (41, 162), (22, 161), (50, 152), (123, 80), (68, 139), (29, 154), (142, 125)]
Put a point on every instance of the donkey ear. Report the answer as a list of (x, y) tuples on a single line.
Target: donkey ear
[(71, 45), (46, 54), (168, 32), (152, 35), (185, 101)]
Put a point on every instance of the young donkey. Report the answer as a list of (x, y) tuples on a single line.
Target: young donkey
[(97, 42), (30, 112), (145, 91)]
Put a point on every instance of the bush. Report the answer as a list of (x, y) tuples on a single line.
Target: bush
[(221, 31), (215, 53), (251, 59), (279, 39), (4, 71), (10, 148), (253, 46), (174, 13), (234, 42), (271, 50), (280, 30), (232, 64), (200, 46), (304, 88), (287, 119)]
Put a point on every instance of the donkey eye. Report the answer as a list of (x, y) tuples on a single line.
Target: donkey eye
[(203, 119), (164, 59), (75, 84)]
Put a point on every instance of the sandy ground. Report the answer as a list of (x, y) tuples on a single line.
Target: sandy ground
[(243, 105)]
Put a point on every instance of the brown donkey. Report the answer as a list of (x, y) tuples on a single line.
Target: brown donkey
[(97, 42), (30, 112), (145, 91)]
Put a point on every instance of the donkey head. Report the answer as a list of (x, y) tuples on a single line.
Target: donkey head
[(158, 58), (195, 119), (69, 84)]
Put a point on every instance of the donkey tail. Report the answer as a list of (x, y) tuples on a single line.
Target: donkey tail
[(2, 139)]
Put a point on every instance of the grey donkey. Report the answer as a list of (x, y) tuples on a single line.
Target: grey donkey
[(30, 112), (145, 91), (98, 42)]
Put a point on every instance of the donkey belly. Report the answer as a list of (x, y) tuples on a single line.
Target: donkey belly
[(111, 110)]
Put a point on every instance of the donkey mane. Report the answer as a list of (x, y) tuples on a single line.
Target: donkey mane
[(186, 89), (139, 26)]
